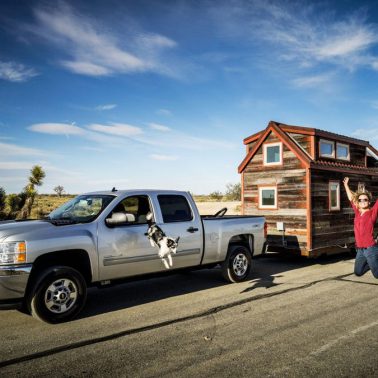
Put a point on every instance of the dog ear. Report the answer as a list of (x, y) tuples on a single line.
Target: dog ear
[(149, 216)]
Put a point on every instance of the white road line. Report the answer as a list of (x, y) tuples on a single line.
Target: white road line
[(322, 349), (342, 338)]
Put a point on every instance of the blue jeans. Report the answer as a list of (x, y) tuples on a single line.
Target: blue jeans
[(366, 258)]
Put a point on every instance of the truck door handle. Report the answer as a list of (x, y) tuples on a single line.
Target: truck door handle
[(192, 229)]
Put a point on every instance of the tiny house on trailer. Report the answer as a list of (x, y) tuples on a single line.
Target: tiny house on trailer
[(293, 176)]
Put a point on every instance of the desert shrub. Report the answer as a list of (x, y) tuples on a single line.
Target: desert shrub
[(2, 203), (233, 192), (216, 195)]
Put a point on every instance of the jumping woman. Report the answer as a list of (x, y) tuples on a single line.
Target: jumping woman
[(364, 220)]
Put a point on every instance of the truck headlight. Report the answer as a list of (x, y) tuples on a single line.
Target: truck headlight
[(13, 252)]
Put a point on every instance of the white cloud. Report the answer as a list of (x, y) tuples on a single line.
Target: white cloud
[(306, 34), (374, 104), (16, 72), (18, 165), (110, 134), (106, 107), (155, 41), (325, 40), (158, 127), (93, 50), (7, 149), (72, 130), (86, 68), (312, 81), (179, 140), (370, 135), (348, 42), (119, 129), (163, 157), (164, 112), (56, 129)]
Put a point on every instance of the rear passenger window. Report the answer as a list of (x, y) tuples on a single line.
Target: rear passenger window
[(174, 208)]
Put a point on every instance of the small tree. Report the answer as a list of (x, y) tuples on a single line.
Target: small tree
[(233, 192), (59, 190), (2, 202), (35, 179)]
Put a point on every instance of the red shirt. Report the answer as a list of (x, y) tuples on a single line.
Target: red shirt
[(364, 226)]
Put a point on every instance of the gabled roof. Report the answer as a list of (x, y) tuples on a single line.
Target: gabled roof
[(282, 132), (309, 131), (285, 138)]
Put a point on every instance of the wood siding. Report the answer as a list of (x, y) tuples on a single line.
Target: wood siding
[(250, 146), (357, 154), (290, 180), (303, 140)]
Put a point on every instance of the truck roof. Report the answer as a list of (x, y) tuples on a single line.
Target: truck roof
[(118, 193)]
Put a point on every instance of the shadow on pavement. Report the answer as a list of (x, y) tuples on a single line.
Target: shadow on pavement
[(264, 271), (268, 267)]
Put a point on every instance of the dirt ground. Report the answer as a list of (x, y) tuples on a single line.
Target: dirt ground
[(209, 208)]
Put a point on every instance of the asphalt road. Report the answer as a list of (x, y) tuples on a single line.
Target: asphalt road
[(292, 318)]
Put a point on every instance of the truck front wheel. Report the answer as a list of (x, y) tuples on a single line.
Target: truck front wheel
[(58, 295), (237, 265)]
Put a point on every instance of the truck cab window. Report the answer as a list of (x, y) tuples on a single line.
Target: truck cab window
[(138, 206), (174, 208)]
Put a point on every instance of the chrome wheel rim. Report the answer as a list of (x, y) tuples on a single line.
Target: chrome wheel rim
[(240, 264), (61, 296)]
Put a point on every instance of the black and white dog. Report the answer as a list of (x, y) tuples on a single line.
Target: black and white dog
[(166, 245)]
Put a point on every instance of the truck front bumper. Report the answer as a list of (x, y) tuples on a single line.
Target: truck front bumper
[(13, 281)]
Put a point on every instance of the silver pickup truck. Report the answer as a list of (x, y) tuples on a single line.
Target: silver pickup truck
[(101, 238)]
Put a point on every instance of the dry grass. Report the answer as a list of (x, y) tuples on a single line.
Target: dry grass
[(44, 204), (211, 207)]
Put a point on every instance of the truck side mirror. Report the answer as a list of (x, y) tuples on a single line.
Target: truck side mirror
[(118, 219)]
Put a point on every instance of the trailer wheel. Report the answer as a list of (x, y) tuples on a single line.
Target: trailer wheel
[(58, 295), (237, 265)]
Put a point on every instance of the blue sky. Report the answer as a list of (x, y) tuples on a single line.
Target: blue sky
[(161, 94)]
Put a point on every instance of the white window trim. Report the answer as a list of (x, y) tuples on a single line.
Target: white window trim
[(261, 206), (337, 207), (343, 145), (266, 145), (329, 143)]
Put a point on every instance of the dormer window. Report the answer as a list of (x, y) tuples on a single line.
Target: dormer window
[(342, 151), (327, 148), (273, 153)]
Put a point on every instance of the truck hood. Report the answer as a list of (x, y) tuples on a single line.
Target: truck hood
[(23, 228)]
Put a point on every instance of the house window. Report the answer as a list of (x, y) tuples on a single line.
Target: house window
[(268, 197), (273, 154), (334, 195), (342, 151), (327, 148)]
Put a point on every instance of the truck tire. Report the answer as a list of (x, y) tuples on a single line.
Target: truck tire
[(58, 295), (237, 265)]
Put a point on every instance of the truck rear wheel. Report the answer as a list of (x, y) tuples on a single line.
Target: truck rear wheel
[(237, 265), (58, 295)]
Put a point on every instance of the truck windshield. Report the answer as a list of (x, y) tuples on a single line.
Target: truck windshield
[(81, 209)]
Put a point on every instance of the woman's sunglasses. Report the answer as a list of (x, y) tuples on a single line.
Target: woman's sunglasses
[(363, 200)]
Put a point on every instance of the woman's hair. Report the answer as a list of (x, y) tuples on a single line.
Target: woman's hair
[(356, 195)]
